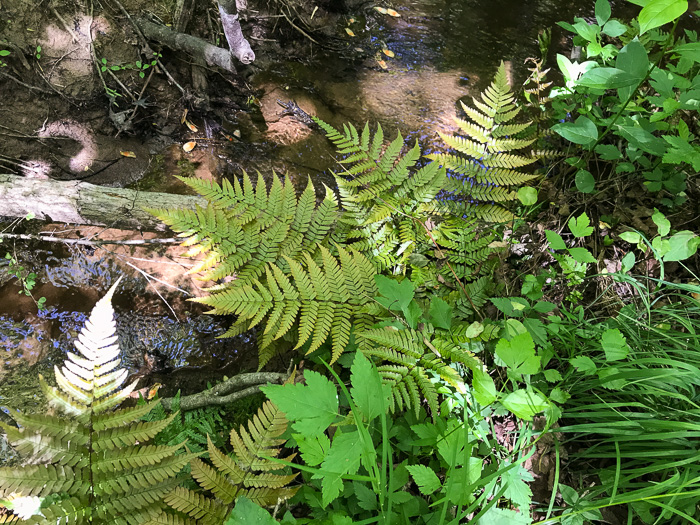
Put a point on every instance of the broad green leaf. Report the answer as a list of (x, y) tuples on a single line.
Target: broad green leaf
[(552, 375), (343, 458), (497, 516), (555, 240), (368, 393), (462, 478), (484, 387), (642, 139), (683, 245), (517, 490), (313, 449), (525, 403), (527, 195), (608, 152), (583, 363), (585, 183), (511, 306), (605, 78), (581, 226), (614, 345), (425, 478), (366, 497), (614, 28), (582, 255), (634, 61), (311, 407), (662, 223), (602, 11), (248, 513), (587, 31), (583, 131), (474, 330), (628, 262), (518, 354), (396, 295), (412, 313), (659, 12), (631, 237), (559, 396), (682, 151), (440, 313)]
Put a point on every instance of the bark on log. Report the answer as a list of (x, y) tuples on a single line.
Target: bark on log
[(77, 202), (212, 55)]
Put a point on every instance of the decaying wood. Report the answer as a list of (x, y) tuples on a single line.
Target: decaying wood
[(76, 202), (212, 55)]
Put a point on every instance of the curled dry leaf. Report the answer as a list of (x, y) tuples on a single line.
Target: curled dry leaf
[(237, 133), (189, 146), (128, 154), (349, 31), (388, 52), (191, 126), (381, 63)]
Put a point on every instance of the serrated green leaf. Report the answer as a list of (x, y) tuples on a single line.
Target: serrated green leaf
[(608, 152), (368, 392), (366, 497), (395, 295), (551, 375), (582, 255), (311, 407), (614, 344), (555, 240), (518, 354), (517, 490), (425, 478), (248, 513), (580, 226), (440, 313), (583, 364), (525, 403)]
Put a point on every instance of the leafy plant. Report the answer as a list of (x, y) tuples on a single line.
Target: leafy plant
[(4, 53), (91, 466), (630, 107), (251, 474)]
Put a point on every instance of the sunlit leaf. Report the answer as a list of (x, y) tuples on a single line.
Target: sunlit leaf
[(349, 31), (130, 154), (393, 13), (388, 52), (189, 146), (191, 126)]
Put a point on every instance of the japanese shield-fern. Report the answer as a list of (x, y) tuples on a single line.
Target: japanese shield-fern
[(90, 465)]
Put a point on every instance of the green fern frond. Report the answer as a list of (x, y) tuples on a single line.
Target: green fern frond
[(320, 302), (89, 460), (248, 473)]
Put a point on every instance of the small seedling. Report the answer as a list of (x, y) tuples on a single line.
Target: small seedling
[(3, 53), (38, 52)]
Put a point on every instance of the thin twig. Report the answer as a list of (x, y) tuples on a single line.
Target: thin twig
[(33, 88), (148, 278)]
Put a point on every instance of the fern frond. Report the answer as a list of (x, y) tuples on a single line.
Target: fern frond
[(90, 460)]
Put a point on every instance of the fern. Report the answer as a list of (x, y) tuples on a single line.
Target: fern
[(409, 357), (244, 227), (484, 162), (384, 194), (312, 302), (249, 473), (92, 466)]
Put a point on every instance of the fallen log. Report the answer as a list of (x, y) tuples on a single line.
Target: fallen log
[(75, 202)]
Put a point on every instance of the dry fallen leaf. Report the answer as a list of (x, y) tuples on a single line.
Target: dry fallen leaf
[(391, 12), (191, 126), (189, 146), (128, 154), (351, 21), (380, 10), (381, 63), (388, 52), (349, 31), (237, 133)]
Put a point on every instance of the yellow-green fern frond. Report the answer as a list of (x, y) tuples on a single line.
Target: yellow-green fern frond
[(92, 457), (245, 226), (484, 160), (248, 472)]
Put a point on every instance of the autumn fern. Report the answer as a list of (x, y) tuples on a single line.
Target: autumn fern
[(91, 465), (250, 472), (486, 156)]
